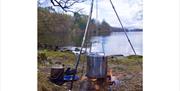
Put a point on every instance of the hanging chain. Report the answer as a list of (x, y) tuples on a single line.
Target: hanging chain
[(83, 41)]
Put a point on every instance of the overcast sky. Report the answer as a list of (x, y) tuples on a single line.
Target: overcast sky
[(130, 12)]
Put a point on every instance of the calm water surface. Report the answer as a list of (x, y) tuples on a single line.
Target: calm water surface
[(117, 43)]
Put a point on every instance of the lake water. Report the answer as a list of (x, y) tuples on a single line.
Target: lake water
[(117, 43)]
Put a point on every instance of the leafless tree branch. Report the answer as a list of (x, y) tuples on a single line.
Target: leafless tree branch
[(66, 5)]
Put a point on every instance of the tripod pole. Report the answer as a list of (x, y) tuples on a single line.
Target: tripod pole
[(123, 27)]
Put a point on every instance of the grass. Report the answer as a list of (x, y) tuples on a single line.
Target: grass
[(66, 58), (129, 65), (45, 85)]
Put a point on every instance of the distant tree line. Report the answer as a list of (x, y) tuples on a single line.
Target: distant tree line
[(59, 29), (117, 29)]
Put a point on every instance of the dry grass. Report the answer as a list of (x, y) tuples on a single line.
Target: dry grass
[(127, 70)]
